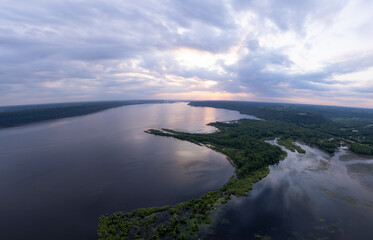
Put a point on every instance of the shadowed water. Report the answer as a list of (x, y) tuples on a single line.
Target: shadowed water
[(310, 196), (57, 178)]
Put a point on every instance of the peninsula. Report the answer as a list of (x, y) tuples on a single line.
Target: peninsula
[(244, 142)]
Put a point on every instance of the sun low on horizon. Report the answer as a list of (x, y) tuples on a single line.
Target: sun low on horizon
[(309, 52)]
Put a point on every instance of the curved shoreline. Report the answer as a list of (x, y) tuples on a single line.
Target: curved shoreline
[(183, 220), (244, 144)]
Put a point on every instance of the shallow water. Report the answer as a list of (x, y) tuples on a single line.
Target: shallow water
[(310, 196), (57, 178)]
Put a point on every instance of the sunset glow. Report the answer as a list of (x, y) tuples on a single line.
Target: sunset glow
[(304, 52)]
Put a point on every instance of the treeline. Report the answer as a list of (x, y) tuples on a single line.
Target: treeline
[(249, 154), (330, 112), (180, 222), (269, 111), (363, 149), (330, 124), (244, 143), (238, 142), (20, 115)]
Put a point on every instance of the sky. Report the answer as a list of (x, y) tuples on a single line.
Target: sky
[(309, 51)]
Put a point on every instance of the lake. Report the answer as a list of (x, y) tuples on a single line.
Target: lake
[(58, 177)]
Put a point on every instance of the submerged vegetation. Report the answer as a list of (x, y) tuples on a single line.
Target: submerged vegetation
[(288, 144), (244, 142)]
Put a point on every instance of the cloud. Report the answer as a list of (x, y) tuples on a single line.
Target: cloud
[(290, 14), (297, 51)]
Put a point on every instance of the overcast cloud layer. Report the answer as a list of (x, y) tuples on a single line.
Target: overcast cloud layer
[(309, 51)]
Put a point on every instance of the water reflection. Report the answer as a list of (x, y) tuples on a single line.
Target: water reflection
[(310, 196), (57, 178)]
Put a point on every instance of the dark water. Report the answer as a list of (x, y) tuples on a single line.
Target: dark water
[(57, 178), (311, 196)]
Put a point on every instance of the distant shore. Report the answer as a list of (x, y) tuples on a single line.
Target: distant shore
[(27, 114)]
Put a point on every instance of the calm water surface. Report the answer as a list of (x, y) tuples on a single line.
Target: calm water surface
[(306, 196), (57, 178)]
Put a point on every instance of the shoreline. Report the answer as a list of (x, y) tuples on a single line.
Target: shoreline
[(184, 220)]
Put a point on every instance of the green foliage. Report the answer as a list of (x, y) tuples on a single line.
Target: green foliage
[(361, 149), (241, 186), (244, 143), (319, 126), (288, 144), (143, 212), (147, 223)]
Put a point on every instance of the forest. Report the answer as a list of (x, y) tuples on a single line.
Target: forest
[(249, 155), (354, 126), (20, 115), (244, 142)]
